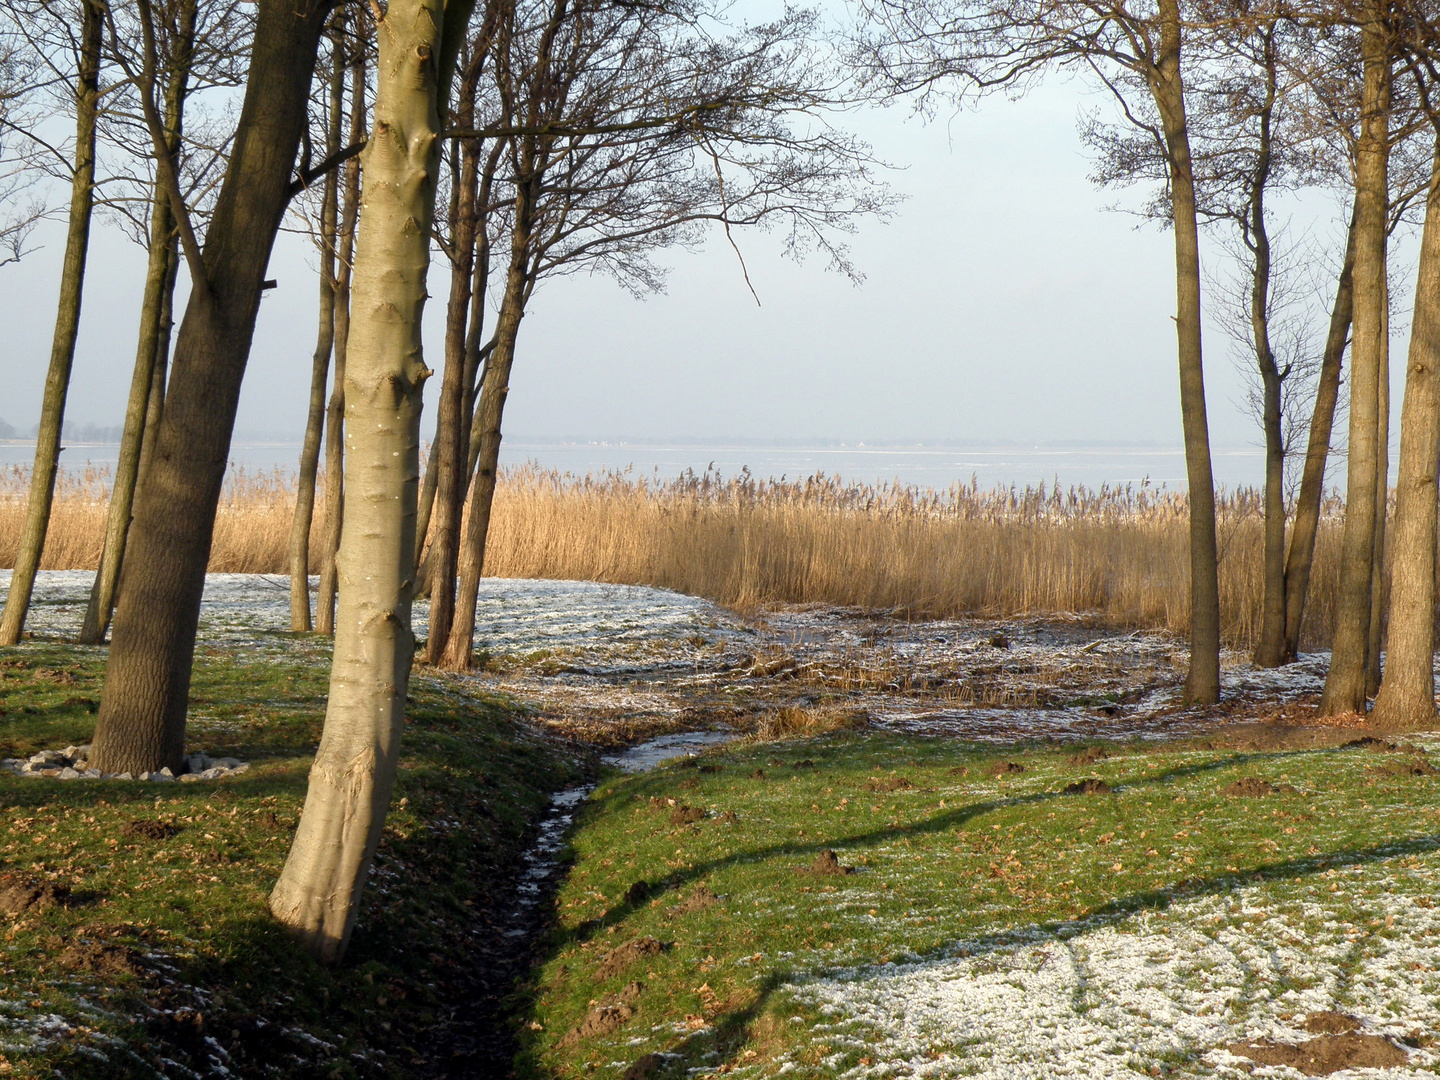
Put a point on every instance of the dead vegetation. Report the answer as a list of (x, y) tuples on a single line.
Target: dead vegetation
[(1121, 554)]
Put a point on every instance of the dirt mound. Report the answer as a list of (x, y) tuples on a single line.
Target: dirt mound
[(807, 763), (622, 956), (99, 959), (1089, 756), (21, 895), (729, 817), (1325, 1054), (1088, 787), (958, 770), (827, 865), (888, 783), (1330, 1023), (758, 774), (609, 1014), (637, 894), (648, 1067), (1005, 768), (684, 815), (698, 900), (1248, 787), (1416, 766), (150, 830)]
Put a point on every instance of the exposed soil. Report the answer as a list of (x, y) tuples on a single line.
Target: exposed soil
[(1331, 1023), (1325, 1054), (622, 956), (827, 865), (1248, 787), (700, 899), (684, 815), (98, 958), (21, 895), (1089, 756), (1005, 768), (151, 830), (1415, 766), (610, 1014), (885, 784), (1088, 787)]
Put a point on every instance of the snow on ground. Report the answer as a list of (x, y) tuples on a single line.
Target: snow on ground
[(1115, 998)]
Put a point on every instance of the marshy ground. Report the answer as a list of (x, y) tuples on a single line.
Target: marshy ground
[(966, 847)]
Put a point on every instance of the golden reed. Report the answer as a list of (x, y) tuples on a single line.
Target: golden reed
[(1120, 553)]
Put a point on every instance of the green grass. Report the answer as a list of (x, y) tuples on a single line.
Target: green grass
[(953, 854), (168, 942)]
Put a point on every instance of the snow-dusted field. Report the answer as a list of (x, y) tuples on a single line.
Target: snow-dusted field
[(1112, 997)]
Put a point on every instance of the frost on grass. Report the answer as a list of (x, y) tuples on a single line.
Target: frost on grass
[(1162, 992)]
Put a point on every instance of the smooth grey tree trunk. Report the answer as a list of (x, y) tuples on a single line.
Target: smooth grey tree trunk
[(320, 361), (319, 889), (67, 325), (1406, 698), (1345, 683), (1306, 524)]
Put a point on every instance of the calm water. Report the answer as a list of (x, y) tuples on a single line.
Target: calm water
[(937, 467)]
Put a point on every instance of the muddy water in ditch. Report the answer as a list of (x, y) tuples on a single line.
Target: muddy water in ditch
[(518, 929)]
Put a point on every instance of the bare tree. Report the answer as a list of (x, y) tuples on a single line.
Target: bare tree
[(141, 726), (950, 48), (79, 56), (319, 889)]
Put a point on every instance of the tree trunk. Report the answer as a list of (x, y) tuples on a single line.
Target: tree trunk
[(450, 430), (67, 326), (1379, 583), (320, 363), (1312, 481), (335, 411), (1406, 698), (127, 467), (152, 352), (1345, 682), (141, 726), (1202, 683), (460, 647), (318, 892), (1270, 648)]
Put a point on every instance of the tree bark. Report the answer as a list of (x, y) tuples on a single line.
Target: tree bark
[(450, 429), (460, 647), (152, 351), (1306, 524), (1406, 698), (335, 410), (67, 326), (141, 726), (320, 362), (1202, 682), (1270, 648), (1379, 583), (1345, 682), (318, 892)]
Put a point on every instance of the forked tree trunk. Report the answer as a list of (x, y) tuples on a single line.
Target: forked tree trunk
[(1379, 583), (320, 362), (1312, 480), (335, 410), (141, 726), (1202, 682), (1345, 682), (152, 352), (460, 648), (156, 409), (67, 326), (450, 429), (1406, 698), (318, 893)]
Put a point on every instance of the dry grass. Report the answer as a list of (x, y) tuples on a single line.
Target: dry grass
[(1118, 554)]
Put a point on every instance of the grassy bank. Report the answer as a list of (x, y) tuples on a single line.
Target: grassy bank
[(1122, 554), (703, 927), (136, 937)]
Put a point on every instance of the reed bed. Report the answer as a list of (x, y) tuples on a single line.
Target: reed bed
[(1116, 553)]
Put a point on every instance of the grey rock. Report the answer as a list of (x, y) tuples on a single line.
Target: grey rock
[(124, 776), (68, 773)]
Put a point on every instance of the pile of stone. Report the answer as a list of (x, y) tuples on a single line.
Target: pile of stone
[(73, 763)]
